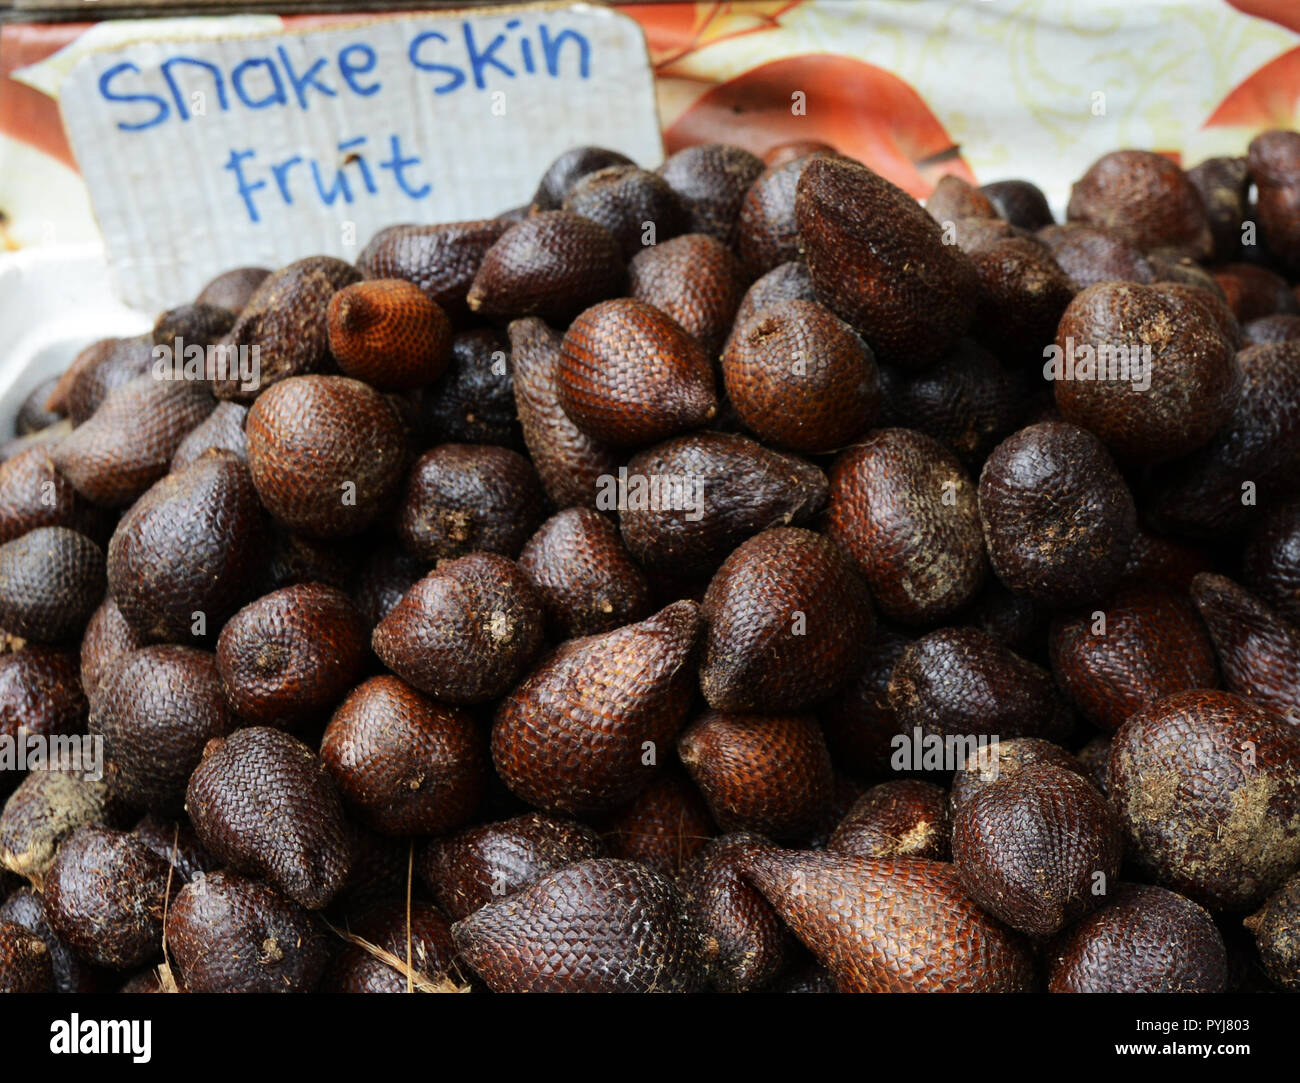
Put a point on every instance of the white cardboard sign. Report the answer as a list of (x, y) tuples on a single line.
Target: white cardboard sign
[(205, 155)]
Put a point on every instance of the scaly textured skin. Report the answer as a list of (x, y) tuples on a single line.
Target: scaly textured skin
[(475, 401), (1253, 291), (104, 897), (786, 618), (1058, 518), (98, 370), (552, 264), (465, 632), (24, 961), (1271, 561), (767, 235), (223, 428), (1283, 328), (26, 909), (309, 438), (1274, 163), (156, 710), (1038, 850), (194, 543), (1153, 644), (33, 494), (46, 807), (787, 282), (408, 765), (481, 864), (1022, 293), (427, 935), (32, 415), (902, 818), (1194, 378), (51, 581), (891, 926), (879, 262), (1146, 199), (232, 290), (388, 333), (966, 400), (1201, 496), (1224, 187), (859, 723), (195, 322), (1276, 928), (286, 320), (569, 168), (385, 576), (696, 280), (291, 655), (442, 260), (598, 926), (177, 843), (1020, 202), (744, 486), (629, 374), (801, 378), (1014, 757), (263, 803), (1207, 785), (466, 498), (906, 512), (744, 943), (623, 199), (1164, 562), (1145, 940), (769, 774), (570, 737), (568, 461), (954, 198), (128, 444), (228, 934), (711, 179), (587, 581), (107, 637), (1093, 254), (962, 681), (40, 693), (1259, 650), (663, 827)]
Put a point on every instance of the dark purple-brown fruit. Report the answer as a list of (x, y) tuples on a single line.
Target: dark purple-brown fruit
[(770, 774), (104, 897), (1253, 291), (1164, 562), (1271, 561), (1020, 202), (475, 402), (1037, 850), (285, 319), (326, 454), (567, 460), (552, 264), (1276, 929), (638, 207), (629, 374), (44, 810), (891, 926), (711, 180), (32, 415), (788, 282), (663, 827), (177, 843), (263, 803), (466, 498), (1058, 517), (387, 332), (1258, 649), (1146, 199), (191, 324), (953, 198), (786, 618), (1093, 254), (696, 280), (583, 575), (189, 551), (51, 581), (731, 487), (25, 908), (1207, 785), (1274, 163), (156, 710), (402, 952), (223, 428), (767, 234), (442, 259), (229, 934), (961, 682), (40, 694), (572, 737), (1224, 187), (97, 371), (482, 864), (465, 632), (859, 723), (879, 262), (744, 943), (291, 655), (385, 576), (408, 765), (1145, 368), (1143, 643), (906, 512), (1007, 760), (629, 921), (1279, 328), (1145, 940), (34, 494), (569, 168), (801, 378), (25, 965), (902, 818), (232, 289), (1022, 293)]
